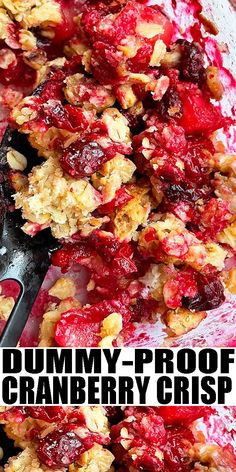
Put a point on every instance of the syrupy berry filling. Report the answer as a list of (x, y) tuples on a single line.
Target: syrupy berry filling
[(82, 160), (110, 262), (62, 447), (18, 73), (82, 327), (191, 64), (50, 414)]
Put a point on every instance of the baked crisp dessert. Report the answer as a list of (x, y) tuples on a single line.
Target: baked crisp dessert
[(133, 180), (81, 439)]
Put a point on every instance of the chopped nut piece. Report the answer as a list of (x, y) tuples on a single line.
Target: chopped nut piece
[(213, 456), (133, 214), (33, 13), (7, 57), (86, 61), (111, 327), (117, 125), (136, 78), (89, 223), (209, 25), (213, 82), (225, 162), (96, 459), (148, 30), (6, 306), (161, 87), (182, 321), (83, 91), (126, 96), (63, 288), (171, 58), (95, 419), (111, 176), (158, 53), (225, 188), (35, 59), (230, 280), (27, 40)]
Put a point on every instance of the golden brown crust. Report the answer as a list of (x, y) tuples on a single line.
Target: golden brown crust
[(63, 288), (213, 82), (181, 321)]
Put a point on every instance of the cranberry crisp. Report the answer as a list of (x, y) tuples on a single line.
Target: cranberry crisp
[(134, 182), (95, 439)]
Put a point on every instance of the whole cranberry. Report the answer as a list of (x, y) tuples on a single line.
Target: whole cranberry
[(60, 448), (180, 192), (83, 159), (192, 61), (171, 105), (210, 294)]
